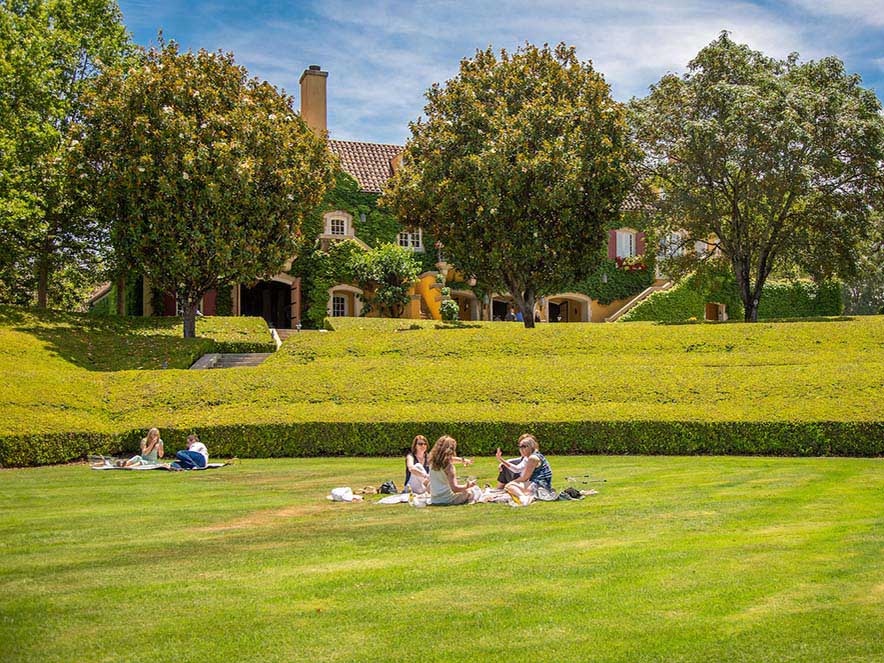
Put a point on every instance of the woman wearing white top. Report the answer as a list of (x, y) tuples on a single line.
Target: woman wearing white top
[(444, 488), (195, 457)]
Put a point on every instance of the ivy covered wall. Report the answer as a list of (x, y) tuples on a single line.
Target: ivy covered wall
[(612, 281), (319, 270)]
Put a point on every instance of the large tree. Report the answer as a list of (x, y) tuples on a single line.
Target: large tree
[(51, 241), (207, 174), (774, 163), (521, 163)]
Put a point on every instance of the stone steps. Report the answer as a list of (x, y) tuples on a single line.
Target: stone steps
[(231, 360)]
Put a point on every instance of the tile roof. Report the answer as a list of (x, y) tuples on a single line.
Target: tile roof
[(369, 163)]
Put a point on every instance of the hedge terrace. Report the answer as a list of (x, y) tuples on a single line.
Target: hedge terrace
[(786, 388)]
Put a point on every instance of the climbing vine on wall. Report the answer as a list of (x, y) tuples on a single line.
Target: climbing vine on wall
[(320, 270)]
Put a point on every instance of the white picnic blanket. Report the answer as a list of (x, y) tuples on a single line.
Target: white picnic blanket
[(154, 466)]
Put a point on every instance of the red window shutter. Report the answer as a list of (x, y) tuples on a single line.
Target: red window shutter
[(209, 303), (169, 304), (639, 244), (612, 244)]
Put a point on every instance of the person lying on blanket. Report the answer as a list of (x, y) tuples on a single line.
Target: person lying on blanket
[(195, 457), (523, 476), (151, 451)]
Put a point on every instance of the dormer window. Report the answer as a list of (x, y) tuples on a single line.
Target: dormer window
[(412, 240), (338, 224)]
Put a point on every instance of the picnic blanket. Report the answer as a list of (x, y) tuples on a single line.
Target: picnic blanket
[(155, 466), (492, 495)]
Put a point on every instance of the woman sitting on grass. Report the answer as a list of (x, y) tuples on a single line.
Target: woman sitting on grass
[(444, 488), (532, 472), (151, 450), (195, 457), (417, 467)]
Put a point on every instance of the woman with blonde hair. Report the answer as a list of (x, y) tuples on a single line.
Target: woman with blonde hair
[(417, 466), (531, 472), (444, 488), (151, 450)]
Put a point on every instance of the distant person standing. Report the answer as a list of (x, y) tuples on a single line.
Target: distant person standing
[(510, 315), (520, 317)]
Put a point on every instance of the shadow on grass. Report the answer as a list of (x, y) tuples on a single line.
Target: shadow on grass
[(108, 343)]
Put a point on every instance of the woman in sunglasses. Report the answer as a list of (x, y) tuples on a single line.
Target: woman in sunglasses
[(522, 477), (417, 469)]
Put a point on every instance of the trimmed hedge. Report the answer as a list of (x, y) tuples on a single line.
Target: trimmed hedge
[(800, 299), (780, 299), (684, 438), (367, 388)]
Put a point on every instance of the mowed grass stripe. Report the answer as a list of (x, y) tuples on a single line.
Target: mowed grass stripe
[(688, 559)]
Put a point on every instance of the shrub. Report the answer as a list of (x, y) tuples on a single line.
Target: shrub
[(275, 440), (449, 310), (780, 299), (369, 386)]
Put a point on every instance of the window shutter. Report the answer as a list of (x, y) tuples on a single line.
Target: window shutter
[(640, 244), (612, 244)]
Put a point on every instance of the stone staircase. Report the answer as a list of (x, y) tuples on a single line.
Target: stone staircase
[(229, 360), (286, 333), (640, 297)]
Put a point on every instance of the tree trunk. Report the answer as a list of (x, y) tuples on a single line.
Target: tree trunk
[(525, 302), (43, 281), (44, 261), (750, 310), (190, 318), (121, 295)]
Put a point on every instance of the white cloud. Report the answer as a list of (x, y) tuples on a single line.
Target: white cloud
[(383, 55), (869, 12)]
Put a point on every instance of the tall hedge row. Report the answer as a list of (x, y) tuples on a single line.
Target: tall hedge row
[(780, 299), (474, 438)]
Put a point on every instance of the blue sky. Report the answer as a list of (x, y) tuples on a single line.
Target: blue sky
[(382, 56)]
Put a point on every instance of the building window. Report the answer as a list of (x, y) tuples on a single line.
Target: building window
[(339, 306), (625, 244), (412, 240), (338, 227), (673, 245)]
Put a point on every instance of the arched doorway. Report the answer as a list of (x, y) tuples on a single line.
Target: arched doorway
[(467, 304), (568, 307), (271, 300), (344, 301)]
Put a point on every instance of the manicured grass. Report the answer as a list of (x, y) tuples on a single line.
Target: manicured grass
[(382, 373), (55, 366), (677, 559)]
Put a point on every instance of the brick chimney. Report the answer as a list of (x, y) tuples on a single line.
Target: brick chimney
[(313, 109)]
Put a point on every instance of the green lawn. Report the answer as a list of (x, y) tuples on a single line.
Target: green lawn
[(677, 559), (374, 383)]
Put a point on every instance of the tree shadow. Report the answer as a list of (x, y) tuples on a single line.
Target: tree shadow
[(108, 343)]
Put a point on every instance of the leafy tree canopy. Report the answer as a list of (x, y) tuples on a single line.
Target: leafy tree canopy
[(51, 241), (522, 162), (773, 162), (388, 272), (207, 174)]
